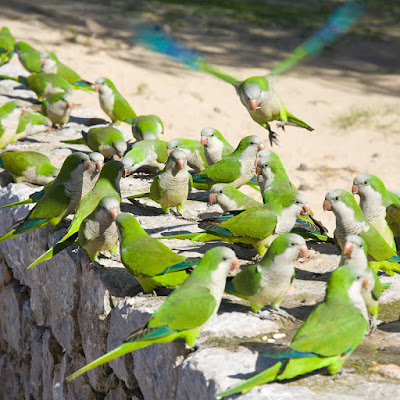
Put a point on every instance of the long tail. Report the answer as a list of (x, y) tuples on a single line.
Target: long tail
[(74, 141), (19, 203), (187, 264), (138, 196), (83, 85), (294, 120), (306, 228)]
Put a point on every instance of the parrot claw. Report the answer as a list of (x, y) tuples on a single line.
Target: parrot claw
[(373, 325), (263, 315), (283, 314), (344, 371), (273, 138)]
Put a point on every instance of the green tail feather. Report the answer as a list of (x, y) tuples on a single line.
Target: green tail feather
[(129, 120), (8, 235), (20, 79), (185, 264), (180, 236), (138, 196), (294, 120), (83, 85), (74, 141), (385, 286), (254, 186), (19, 203)]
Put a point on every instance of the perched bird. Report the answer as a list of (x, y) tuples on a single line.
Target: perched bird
[(7, 42), (10, 113), (152, 263), (354, 254), (28, 166), (60, 200), (236, 169), (193, 149), (107, 140), (98, 231), (112, 102), (108, 185), (319, 342), (58, 107), (229, 198), (147, 127), (31, 123), (150, 153), (381, 207), (350, 220), (216, 147), (50, 64), (28, 56), (267, 281), (185, 312), (170, 188)]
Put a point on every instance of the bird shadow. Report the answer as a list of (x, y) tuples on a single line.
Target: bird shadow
[(305, 275)]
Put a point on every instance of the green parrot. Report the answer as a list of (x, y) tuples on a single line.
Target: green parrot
[(236, 169), (325, 339), (350, 220), (257, 226), (229, 198), (28, 56), (58, 107), (150, 153), (193, 149), (216, 147), (107, 185), (50, 64), (381, 207), (147, 127), (170, 188), (28, 166), (10, 114), (267, 281), (152, 263), (112, 102), (31, 123), (60, 200), (107, 140), (354, 254), (98, 231), (7, 42), (185, 312)]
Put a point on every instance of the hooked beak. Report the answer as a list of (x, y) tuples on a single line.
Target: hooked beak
[(23, 111), (97, 88), (120, 154), (125, 172), (327, 205), (204, 141), (303, 250), (305, 210), (180, 163), (234, 264), (69, 105), (253, 104), (348, 249), (48, 130), (113, 214), (89, 165), (99, 166), (364, 284), (41, 62), (258, 170), (256, 161), (354, 189), (212, 199), (260, 147), (169, 151)]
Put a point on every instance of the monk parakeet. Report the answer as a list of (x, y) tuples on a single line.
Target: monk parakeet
[(98, 231), (147, 127), (152, 263), (354, 254), (267, 281), (112, 102), (28, 166), (229, 198), (236, 169), (60, 200), (31, 123), (28, 56), (7, 42), (10, 113), (216, 147), (381, 207), (350, 220), (50, 64), (185, 312), (325, 339), (108, 185), (193, 149), (107, 140), (150, 153), (170, 188), (58, 107)]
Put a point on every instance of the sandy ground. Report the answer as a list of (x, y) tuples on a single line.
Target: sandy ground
[(187, 101)]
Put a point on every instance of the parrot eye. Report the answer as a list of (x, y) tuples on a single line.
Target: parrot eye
[(212, 135), (297, 202), (252, 143), (224, 258), (266, 165), (365, 182), (337, 198), (293, 244), (220, 191)]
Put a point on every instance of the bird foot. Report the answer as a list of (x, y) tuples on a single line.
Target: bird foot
[(373, 325), (273, 138), (263, 315), (283, 314), (343, 372)]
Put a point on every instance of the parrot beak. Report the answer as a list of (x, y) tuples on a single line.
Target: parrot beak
[(348, 249), (234, 264), (99, 166), (364, 284), (113, 214), (258, 171), (181, 163), (97, 88), (48, 130), (305, 210), (204, 141), (260, 147), (327, 206), (354, 189), (120, 155), (169, 151), (23, 111), (69, 105), (212, 199), (303, 250), (125, 172), (256, 161), (253, 104), (89, 165), (41, 62)]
